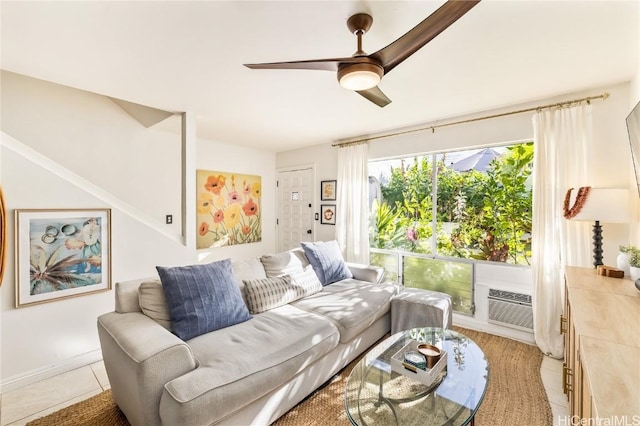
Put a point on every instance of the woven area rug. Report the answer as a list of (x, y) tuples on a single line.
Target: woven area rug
[(515, 394)]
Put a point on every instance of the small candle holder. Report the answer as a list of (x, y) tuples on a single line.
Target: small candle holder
[(430, 352)]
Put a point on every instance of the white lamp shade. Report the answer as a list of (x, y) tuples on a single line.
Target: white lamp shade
[(604, 205), (360, 80), (360, 76)]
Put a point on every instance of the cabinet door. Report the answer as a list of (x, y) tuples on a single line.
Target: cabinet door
[(576, 391), (585, 397), (571, 368)]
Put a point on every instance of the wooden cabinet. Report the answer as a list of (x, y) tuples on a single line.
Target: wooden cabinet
[(601, 324), (572, 367)]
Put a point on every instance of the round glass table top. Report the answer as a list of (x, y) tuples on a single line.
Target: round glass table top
[(375, 394)]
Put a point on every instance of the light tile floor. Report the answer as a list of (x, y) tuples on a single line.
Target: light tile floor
[(22, 405), (27, 403)]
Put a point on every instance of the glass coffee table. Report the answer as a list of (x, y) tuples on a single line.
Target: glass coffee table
[(377, 395)]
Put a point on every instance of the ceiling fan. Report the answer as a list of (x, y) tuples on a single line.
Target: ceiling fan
[(362, 72)]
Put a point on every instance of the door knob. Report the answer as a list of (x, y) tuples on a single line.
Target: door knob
[(308, 231)]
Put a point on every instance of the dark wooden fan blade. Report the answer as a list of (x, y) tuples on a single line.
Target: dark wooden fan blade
[(376, 96), (421, 34), (312, 64)]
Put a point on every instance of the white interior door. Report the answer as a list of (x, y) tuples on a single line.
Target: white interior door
[(295, 208)]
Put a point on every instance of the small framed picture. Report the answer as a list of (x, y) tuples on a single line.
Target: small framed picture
[(328, 214), (61, 253), (328, 190)]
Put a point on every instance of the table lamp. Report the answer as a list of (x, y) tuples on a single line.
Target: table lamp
[(609, 205)]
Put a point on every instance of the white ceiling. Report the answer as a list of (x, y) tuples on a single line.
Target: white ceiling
[(188, 56)]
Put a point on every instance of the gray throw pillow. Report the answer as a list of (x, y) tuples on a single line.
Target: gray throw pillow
[(202, 298), (327, 261), (153, 303)]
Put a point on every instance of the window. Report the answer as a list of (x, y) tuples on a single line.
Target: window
[(478, 202), (427, 211)]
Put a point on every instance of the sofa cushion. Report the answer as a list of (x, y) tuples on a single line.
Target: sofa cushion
[(202, 298), (153, 303), (240, 364), (326, 259), (269, 293), (350, 304), (288, 262)]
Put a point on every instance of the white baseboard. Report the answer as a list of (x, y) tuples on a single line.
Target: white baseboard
[(498, 330), (34, 376)]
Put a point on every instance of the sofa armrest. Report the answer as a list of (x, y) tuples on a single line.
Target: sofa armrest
[(140, 357), (369, 273)]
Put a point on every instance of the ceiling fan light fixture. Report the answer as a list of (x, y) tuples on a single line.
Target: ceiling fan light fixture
[(360, 76)]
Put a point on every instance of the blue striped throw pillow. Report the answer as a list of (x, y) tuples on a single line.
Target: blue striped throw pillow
[(202, 298)]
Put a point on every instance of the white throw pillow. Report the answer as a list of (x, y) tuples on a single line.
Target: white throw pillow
[(248, 269), (269, 293), (288, 262), (307, 280)]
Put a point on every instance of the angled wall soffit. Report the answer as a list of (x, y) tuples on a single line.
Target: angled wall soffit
[(145, 115)]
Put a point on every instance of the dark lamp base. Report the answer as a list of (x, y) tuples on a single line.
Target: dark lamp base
[(597, 244)]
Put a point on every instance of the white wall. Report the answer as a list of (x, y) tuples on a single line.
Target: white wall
[(139, 171), (611, 146)]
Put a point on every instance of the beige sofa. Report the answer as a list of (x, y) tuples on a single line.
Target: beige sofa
[(248, 373)]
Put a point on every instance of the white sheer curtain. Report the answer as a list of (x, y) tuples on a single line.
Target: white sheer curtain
[(352, 219), (563, 141)]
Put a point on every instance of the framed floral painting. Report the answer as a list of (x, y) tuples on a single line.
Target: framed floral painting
[(61, 253), (328, 190), (229, 209)]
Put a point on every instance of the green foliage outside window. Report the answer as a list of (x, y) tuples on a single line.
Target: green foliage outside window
[(479, 215)]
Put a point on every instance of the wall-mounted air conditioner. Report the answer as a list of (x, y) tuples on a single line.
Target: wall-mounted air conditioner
[(510, 309)]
